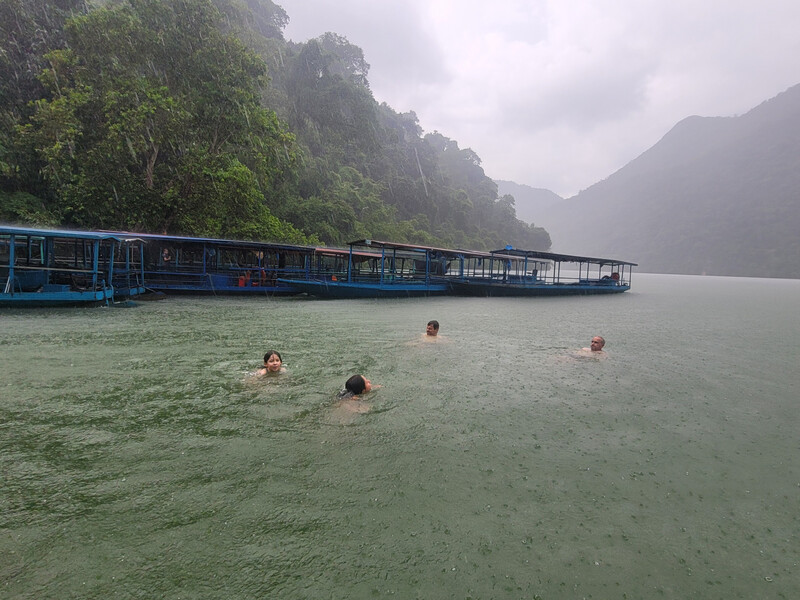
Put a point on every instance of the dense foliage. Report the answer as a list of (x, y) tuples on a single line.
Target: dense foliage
[(196, 117)]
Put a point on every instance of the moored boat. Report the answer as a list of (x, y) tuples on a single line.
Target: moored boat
[(43, 267), (193, 265), (379, 269), (516, 272)]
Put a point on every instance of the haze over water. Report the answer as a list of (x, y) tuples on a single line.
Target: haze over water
[(140, 459)]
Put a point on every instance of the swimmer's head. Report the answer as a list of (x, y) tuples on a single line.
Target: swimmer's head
[(357, 384), (432, 328), (273, 361), (597, 343)]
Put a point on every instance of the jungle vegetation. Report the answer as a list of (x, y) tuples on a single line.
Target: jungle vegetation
[(197, 117)]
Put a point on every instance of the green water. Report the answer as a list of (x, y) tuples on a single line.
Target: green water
[(140, 460)]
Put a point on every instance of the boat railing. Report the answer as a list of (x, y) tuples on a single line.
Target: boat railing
[(386, 278), (216, 280), (52, 278)]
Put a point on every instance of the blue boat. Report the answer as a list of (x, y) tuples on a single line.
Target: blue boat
[(193, 265), (516, 272), (43, 267), (378, 269)]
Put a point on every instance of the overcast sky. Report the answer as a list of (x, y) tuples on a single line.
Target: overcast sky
[(559, 94)]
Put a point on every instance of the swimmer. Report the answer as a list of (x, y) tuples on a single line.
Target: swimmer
[(273, 363), (596, 344), (594, 352), (595, 349), (432, 333), (351, 400), (356, 385)]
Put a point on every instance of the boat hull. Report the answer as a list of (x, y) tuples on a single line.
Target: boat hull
[(344, 289), (487, 289), (214, 283), (60, 298), (223, 290)]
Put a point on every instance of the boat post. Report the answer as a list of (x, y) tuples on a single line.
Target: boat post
[(11, 261)]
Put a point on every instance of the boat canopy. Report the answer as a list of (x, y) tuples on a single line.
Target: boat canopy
[(215, 241), (62, 233), (432, 250), (573, 258)]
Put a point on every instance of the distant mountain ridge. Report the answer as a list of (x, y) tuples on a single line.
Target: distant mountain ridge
[(530, 203), (716, 196)]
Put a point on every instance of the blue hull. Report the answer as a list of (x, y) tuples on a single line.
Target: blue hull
[(214, 283), (67, 298), (274, 290), (343, 289), (129, 292), (491, 289)]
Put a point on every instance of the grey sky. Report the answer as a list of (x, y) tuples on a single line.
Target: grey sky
[(559, 94)]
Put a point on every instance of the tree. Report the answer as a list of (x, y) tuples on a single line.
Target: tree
[(151, 104), (160, 115)]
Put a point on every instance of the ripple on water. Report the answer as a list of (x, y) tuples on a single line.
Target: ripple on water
[(141, 458)]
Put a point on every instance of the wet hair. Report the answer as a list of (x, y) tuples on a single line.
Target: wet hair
[(270, 353), (435, 324), (356, 384)]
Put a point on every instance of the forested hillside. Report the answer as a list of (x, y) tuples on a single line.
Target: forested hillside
[(719, 196), (197, 117)]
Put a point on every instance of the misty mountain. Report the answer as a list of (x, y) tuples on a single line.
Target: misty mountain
[(716, 196), (530, 203)]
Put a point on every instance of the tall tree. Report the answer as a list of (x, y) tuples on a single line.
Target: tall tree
[(151, 104)]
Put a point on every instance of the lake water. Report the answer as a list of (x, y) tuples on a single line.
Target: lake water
[(140, 460)]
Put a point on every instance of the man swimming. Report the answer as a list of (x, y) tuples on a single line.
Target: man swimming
[(596, 345), (432, 328)]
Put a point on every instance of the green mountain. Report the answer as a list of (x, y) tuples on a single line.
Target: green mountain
[(197, 117), (716, 196)]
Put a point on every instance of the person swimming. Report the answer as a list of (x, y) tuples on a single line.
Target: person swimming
[(595, 349), (432, 332), (432, 328), (596, 344), (355, 386), (273, 363)]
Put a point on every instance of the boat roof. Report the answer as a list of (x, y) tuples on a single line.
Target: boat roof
[(62, 233), (220, 242), (344, 252), (128, 236), (451, 252), (561, 257)]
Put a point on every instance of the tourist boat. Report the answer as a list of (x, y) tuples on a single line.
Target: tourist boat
[(516, 272), (179, 264), (43, 267), (378, 269)]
